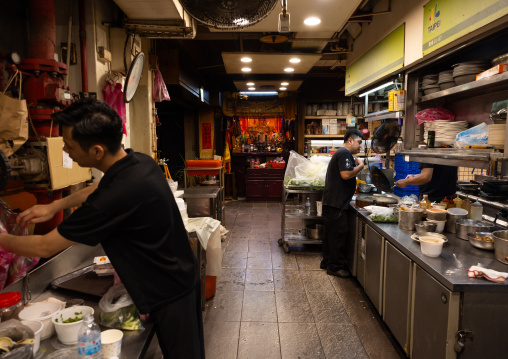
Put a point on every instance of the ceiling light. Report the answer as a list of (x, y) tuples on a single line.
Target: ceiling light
[(250, 83), (282, 88), (289, 69), (312, 21), (246, 59), (295, 60), (284, 83), (252, 88), (246, 69), (377, 88), (259, 93)]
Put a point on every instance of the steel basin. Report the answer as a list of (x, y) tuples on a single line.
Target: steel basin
[(465, 226), (501, 245)]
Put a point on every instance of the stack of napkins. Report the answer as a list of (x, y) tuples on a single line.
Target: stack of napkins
[(103, 266), (489, 274)]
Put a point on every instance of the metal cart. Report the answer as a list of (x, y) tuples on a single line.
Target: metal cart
[(297, 235)]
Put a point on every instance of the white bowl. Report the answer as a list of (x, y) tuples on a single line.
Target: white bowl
[(431, 246), (42, 311), (67, 333), (440, 225), (36, 326)]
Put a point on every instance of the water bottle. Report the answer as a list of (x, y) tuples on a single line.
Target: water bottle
[(307, 207), (89, 339)]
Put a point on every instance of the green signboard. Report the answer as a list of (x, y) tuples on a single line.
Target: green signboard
[(447, 20), (383, 59)]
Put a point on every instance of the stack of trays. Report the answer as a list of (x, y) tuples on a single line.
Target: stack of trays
[(497, 134), (430, 84), (446, 131), (465, 72), (446, 80)]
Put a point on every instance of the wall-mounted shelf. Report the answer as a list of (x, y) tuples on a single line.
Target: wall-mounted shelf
[(383, 115), (475, 88), (329, 117)]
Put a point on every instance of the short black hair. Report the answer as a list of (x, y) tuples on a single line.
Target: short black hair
[(93, 122), (352, 133)]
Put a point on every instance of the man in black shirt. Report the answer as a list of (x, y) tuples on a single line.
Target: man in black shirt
[(340, 185), (132, 213), (437, 181)]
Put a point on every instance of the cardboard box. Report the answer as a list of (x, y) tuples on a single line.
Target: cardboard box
[(332, 121), (498, 69), (326, 129), (325, 121), (334, 129), (326, 112)]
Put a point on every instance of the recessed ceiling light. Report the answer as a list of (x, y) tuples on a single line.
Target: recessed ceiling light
[(246, 69), (289, 69), (250, 83), (252, 88), (295, 60), (282, 88), (312, 21), (284, 83), (246, 59)]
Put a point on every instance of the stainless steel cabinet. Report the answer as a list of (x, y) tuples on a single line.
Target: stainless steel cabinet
[(374, 253), (435, 320), (397, 294)]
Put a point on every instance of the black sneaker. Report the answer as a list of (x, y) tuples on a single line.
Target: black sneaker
[(323, 265), (341, 273)]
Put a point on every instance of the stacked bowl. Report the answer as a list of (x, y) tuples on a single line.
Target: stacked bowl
[(430, 84), (465, 72), (446, 80)]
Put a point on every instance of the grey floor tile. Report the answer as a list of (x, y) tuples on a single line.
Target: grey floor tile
[(231, 279), (225, 307), (221, 339), (259, 341), (259, 306), (316, 281), (240, 235), (288, 280), (234, 260), (259, 279), (344, 285), (309, 261), (237, 246), (300, 341), (259, 238), (255, 246), (259, 260), (281, 260), (293, 307), (340, 341), (327, 307)]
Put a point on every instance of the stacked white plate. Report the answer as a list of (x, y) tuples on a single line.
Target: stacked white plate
[(446, 80), (429, 84), (465, 72), (497, 135), (446, 131)]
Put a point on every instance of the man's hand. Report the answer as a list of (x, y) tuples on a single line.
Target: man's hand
[(358, 162), (401, 183), (36, 214)]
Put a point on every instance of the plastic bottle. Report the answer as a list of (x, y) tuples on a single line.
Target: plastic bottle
[(458, 202), (368, 180), (89, 339), (466, 204), (476, 211), (307, 207), (425, 203)]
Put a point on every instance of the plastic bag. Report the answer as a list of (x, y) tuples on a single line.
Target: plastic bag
[(16, 331), (303, 172), (173, 185), (433, 114), (475, 136), (160, 91), (118, 311), (113, 96)]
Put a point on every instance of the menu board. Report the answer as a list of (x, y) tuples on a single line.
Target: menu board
[(447, 20)]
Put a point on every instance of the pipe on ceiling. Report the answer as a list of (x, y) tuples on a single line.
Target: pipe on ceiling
[(82, 45), (42, 42)]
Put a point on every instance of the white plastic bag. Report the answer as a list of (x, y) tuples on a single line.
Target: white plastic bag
[(173, 185), (475, 136), (118, 310), (303, 172)]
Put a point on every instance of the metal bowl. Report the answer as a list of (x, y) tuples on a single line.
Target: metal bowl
[(501, 245), (423, 227), (482, 240), (364, 187)]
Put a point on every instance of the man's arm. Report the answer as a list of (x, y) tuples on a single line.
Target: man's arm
[(43, 213), (424, 177), (350, 174), (35, 246)]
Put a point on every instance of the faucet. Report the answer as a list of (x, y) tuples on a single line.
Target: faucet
[(501, 213)]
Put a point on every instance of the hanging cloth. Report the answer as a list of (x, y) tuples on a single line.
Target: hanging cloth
[(113, 96)]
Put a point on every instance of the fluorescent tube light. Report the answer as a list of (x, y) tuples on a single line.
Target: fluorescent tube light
[(377, 88)]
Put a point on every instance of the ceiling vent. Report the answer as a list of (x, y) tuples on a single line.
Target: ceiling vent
[(228, 14)]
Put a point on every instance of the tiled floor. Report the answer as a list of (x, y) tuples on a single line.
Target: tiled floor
[(270, 304)]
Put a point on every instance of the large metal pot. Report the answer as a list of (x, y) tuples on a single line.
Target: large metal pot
[(315, 231), (450, 222), (407, 219), (465, 226), (501, 246)]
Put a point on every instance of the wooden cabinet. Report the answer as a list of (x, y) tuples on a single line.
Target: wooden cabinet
[(264, 184)]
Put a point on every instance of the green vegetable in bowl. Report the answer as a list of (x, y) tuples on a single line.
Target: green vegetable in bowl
[(384, 218), (78, 317)]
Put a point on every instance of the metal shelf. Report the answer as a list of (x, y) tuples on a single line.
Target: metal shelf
[(383, 115), (478, 158), (339, 117), (475, 88), (303, 216), (300, 238)]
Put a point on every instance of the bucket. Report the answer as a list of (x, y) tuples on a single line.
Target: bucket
[(210, 286), (319, 208)]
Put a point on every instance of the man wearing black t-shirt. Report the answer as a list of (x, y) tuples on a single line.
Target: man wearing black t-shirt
[(132, 213), (340, 185), (437, 181)]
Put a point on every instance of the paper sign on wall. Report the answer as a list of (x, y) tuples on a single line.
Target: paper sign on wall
[(67, 161), (206, 135)]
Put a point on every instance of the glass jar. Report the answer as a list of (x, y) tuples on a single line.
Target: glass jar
[(10, 305)]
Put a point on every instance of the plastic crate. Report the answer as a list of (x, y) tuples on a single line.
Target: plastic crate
[(401, 174), (278, 164), (401, 192), (407, 166)]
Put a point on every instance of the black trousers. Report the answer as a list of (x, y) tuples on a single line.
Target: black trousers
[(335, 238), (179, 327)]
